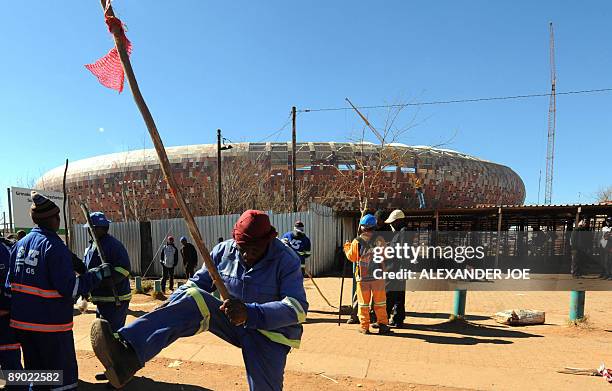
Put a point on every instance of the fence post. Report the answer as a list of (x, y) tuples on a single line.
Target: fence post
[(459, 304), (576, 305), (157, 286), (138, 284)]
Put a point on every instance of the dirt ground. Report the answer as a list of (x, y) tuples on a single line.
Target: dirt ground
[(429, 354), (192, 376)]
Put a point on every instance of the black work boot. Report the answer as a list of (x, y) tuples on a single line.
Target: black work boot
[(118, 358), (384, 329)]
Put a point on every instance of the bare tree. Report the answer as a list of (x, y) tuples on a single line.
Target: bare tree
[(604, 194)]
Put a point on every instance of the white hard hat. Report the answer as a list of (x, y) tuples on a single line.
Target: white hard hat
[(395, 215)]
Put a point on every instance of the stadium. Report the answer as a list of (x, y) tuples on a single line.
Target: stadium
[(130, 185)]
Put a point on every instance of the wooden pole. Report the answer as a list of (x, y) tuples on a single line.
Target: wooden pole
[(293, 158), (161, 154), (219, 189), (66, 233)]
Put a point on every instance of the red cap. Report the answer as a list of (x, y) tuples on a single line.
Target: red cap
[(253, 226), (171, 238)]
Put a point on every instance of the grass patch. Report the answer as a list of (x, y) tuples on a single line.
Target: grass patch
[(147, 286)]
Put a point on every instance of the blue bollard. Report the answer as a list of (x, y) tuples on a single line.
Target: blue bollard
[(138, 284), (576, 305), (459, 304), (157, 286)]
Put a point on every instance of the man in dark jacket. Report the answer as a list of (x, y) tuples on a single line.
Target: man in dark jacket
[(113, 309), (10, 351), (190, 257), (579, 240), (43, 288), (168, 260), (396, 289)]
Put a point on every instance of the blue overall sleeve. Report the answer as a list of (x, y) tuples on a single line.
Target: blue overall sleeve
[(62, 276), (118, 256), (306, 249), (291, 310)]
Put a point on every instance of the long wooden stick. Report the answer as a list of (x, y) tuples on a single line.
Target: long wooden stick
[(66, 233), (96, 242), (319, 290), (161, 154)]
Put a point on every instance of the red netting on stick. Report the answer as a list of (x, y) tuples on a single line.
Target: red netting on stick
[(108, 69)]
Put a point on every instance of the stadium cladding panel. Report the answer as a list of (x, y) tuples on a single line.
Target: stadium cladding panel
[(130, 186)]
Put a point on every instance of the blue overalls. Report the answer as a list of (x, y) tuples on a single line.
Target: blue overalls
[(300, 244), (115, 254), (10, 351), (43, 289), (273, 292)]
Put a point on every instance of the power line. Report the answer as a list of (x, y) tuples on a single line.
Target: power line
[(445, 102), (275, 133)]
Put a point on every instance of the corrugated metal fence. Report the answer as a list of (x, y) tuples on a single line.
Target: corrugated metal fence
[(321, 225)]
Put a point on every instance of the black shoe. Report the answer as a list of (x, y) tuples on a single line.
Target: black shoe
[(397, 325), (352, 321), (384, 329), (119, 359), (375, 325)]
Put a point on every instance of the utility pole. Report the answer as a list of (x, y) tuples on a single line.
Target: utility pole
[(219, 188), (219, 192), (293, 160)]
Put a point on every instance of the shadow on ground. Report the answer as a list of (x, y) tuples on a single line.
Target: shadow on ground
[(439, 315), (471, 329), (142, 383)]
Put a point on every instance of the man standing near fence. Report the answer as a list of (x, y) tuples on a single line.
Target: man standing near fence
[(114, 310), (190, 257), (299, 242), (168, 260)]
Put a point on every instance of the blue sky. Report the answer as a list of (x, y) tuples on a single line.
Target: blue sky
[(241, 65)]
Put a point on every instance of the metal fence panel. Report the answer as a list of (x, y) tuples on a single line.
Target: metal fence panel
[(127, 233)]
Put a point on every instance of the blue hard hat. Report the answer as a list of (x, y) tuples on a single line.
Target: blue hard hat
[(98, 219), (368, 221), (183, 238)]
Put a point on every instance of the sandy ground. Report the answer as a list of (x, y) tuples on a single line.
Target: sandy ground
[(429, 354), (192, 376)]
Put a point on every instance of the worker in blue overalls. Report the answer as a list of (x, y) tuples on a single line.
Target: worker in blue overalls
[(113, 309), (43, 287), (10, 350), (263, 316), (299, 242)]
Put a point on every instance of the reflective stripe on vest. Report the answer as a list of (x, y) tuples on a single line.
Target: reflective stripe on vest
[(32, 290), (199, 299), (297, 307), (43, 328), (11, 346), (111, 299), (122, 271), (279, 338)]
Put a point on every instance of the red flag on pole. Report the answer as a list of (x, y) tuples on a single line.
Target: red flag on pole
[(108, 69)]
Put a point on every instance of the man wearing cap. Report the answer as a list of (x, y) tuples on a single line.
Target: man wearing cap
[(299, 242), (263, 317), (190, 257), (113, 309), (396, 288), (44, 286), (168, 260), (361, 251)]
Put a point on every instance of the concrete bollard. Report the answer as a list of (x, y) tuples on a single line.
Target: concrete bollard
[(138, 284), (157, 286), (576, 305), (459, 304)]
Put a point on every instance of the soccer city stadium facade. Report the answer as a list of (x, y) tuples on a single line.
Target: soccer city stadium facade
[(130, 186)]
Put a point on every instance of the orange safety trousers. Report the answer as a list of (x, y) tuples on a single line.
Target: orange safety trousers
[(372, 291)]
